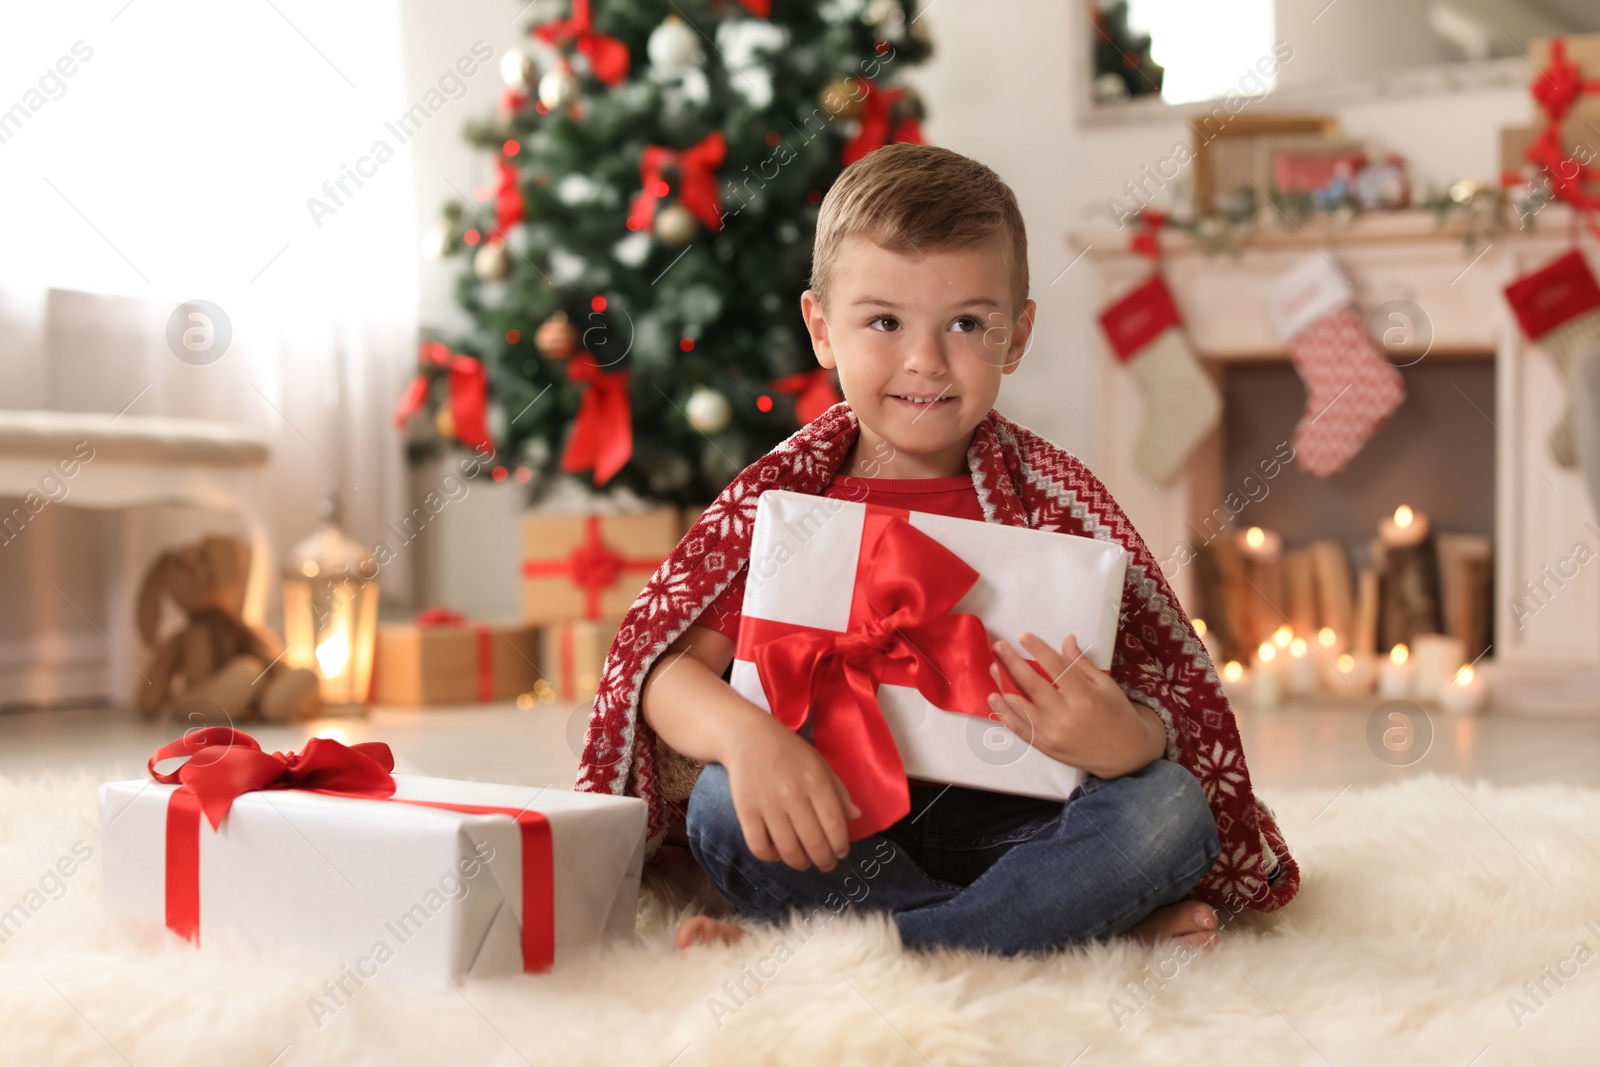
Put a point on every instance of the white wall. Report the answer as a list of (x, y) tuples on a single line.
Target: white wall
[(1002, 87)]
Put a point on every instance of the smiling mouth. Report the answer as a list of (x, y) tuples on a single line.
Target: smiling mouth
[(926, 401)]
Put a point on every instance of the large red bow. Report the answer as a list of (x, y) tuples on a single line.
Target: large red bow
[(224, 762), (814, 392), (602, 434), (469, 393), (901, 632), (874, 132), (697, 182), (608, 57)]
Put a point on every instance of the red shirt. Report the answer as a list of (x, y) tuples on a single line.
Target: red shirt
[(954, 496)]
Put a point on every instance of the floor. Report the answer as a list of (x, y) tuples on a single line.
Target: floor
[(1323, 745)]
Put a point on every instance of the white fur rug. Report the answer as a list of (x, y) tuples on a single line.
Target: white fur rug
[(1426, 908)]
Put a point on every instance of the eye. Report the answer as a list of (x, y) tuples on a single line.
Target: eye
[(969, 323), (893, 322)]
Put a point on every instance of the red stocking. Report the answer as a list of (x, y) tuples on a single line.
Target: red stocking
[(1350, 390)]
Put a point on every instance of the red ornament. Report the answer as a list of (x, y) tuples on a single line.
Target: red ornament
[(598, 303), (686, 344), (814, 392), (763, 403)]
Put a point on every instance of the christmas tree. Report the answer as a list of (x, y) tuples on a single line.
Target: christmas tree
[(634, 279)]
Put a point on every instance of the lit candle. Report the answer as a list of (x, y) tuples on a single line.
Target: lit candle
[(1267, 692), (1465, 693), (1356, 673), (1437, 657), (1406, 527), (1302, 668), (1260, 545), (1394, 677)]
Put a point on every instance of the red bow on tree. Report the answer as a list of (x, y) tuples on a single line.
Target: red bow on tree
[(224, 763), (875, 132), (608, 57), (509, 208), (469, 393), (602, 434), (697, 181), (814, 392)]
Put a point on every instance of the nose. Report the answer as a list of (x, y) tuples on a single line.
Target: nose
[(925, 355)]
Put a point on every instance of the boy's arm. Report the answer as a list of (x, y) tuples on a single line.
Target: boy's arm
[(789, 802)]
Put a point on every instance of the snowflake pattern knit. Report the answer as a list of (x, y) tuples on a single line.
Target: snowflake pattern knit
[(1021, 480)]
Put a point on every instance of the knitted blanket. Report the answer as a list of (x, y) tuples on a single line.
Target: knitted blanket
[(1021, 480)]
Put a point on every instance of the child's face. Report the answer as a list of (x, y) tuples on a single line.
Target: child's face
[(934, 326)]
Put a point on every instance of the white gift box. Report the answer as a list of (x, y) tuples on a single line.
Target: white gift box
[(422, 894), (802, 572)]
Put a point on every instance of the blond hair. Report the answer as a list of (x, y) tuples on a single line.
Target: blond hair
[(912, 197)]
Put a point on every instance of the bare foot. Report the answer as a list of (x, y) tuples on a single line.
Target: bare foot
[(704, 930), (1190, 921)]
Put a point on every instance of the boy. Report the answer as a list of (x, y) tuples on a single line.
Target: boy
[(918, 299)]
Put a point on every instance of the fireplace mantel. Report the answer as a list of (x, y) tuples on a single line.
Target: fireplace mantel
[(1551, 661)]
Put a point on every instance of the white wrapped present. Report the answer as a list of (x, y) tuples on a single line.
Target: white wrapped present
[(814, 603), (444, 879)]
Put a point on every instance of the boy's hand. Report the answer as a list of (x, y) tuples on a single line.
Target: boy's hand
[(1083, 719), (790, 803)]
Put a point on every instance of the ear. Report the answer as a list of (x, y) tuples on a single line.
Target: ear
[(817, 327), (1021, 334), (148, 611)]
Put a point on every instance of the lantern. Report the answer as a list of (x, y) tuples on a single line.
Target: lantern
[(330, 608)]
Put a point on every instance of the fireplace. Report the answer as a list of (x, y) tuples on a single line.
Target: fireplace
[(1468, 447)]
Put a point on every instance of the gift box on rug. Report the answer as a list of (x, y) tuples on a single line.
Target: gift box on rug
[(591, 566), (442, 658), (574, 653), (860, 618), (426, 880)]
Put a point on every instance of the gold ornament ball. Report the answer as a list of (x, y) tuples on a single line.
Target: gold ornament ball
[(675, 225), (708, 410), (556, 337), (492, 262), (557, 87), (843, 98)]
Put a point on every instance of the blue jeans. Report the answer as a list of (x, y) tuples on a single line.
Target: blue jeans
[(972, 869)]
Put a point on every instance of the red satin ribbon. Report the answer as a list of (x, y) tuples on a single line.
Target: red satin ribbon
[(901, 631), (874, 131), (224, 763), (469, 393), (438, 616), (594, 566), (608, 57), (815, 390), (602, 434), (697, 181)]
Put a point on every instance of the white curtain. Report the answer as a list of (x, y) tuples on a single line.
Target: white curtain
[(154, 152)]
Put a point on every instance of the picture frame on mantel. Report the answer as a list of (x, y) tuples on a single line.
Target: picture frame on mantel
[(1228, 157)]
